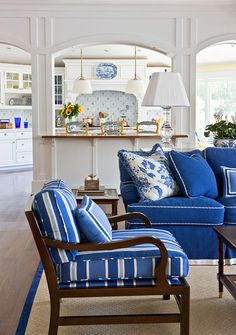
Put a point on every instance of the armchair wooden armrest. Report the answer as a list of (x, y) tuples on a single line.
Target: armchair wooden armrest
[(135, 215), (160, 270)]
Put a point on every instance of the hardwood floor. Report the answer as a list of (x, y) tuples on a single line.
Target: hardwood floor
[(18, 255)]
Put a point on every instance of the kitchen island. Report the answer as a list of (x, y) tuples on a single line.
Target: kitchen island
[(75, 156)]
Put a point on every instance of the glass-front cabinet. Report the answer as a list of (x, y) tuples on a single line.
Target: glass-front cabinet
[(15, 86), (12, 80), (18, 81), (59, 87), (27, 81)]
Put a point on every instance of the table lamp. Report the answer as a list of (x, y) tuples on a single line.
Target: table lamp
[(166, 90)]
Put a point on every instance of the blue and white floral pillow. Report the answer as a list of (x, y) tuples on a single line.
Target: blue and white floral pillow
[(151, 175)]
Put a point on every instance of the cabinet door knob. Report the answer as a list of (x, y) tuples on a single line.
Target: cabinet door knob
[(5, 134), (22, 144)]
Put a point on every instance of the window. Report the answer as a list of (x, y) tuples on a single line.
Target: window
[(215, 100)]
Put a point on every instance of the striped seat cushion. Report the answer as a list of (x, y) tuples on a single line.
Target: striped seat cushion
[(116, 283), (54, 211), (136, 262)]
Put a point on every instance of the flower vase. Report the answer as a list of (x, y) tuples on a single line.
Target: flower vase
[(69, 123)]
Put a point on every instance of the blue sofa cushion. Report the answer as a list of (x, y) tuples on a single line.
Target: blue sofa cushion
[(229, 181), (93, 222), (151, 175), (54, 211), (229, 204), (179, 211), (132, 263), (193, 175), (217, 157)]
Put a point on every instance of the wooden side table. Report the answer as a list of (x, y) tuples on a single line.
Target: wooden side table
[(227, 236), (110, 197)]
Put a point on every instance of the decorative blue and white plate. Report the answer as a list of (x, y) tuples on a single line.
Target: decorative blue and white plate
[(106, 71)]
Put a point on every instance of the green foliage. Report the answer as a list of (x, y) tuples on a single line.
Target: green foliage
[(221, 130)]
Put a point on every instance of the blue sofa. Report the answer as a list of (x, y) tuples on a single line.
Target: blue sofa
[(190, 220)]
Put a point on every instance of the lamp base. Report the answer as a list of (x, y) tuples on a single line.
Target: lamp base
[(166, 133), (166, 130)]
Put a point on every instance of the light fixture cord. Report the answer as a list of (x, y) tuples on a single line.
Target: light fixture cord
[(135, 63), (81, 65)]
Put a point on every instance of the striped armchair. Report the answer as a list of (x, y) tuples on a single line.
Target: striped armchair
[(125, 263)]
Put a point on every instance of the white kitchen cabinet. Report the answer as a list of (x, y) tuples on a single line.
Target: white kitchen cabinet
[(24, 153), (24, 145), (18, 80), (15, 86), (7, 148), (15, 148)]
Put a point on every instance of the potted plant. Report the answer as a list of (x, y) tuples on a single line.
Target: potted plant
[(224, 133)]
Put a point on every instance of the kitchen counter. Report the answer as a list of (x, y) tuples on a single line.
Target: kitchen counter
[(96, 134), (75, 156)]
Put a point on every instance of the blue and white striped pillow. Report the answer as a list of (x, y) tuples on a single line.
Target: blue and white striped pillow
[(93, 222)]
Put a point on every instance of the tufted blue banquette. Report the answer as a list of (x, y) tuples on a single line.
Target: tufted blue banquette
[(189, 219)]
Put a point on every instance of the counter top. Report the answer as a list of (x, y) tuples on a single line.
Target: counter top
[(13, 130), (83, 136)]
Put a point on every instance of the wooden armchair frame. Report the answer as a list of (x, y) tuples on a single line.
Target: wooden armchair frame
[(180, 292)]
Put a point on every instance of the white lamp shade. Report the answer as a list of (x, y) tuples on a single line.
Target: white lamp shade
[(82, 86), (135, 86), (165, 89)]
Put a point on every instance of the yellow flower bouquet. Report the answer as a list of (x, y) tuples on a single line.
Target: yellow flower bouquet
[(69, 110)]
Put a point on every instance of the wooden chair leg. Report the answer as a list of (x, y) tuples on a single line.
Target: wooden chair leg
[(54, 316), (166, 297), (185, 308)]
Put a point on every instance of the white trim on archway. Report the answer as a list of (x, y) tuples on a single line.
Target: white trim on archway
[(130, 39)]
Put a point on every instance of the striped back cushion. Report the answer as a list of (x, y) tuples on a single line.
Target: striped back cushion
[(54, 211), (60, 184), (93, 222)]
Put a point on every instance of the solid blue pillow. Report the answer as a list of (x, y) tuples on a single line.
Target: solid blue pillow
[(229, 181), (93, 222), (193, 175)]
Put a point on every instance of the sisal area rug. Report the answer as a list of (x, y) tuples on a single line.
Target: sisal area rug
[(209, 314)]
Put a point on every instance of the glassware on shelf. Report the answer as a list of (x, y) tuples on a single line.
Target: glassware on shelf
[(17, 122)]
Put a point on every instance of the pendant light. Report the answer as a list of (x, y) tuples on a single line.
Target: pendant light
[(135, 85), (82, 85)]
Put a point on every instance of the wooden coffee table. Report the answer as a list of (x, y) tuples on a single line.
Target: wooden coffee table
[(110, 197), (227, 236)]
